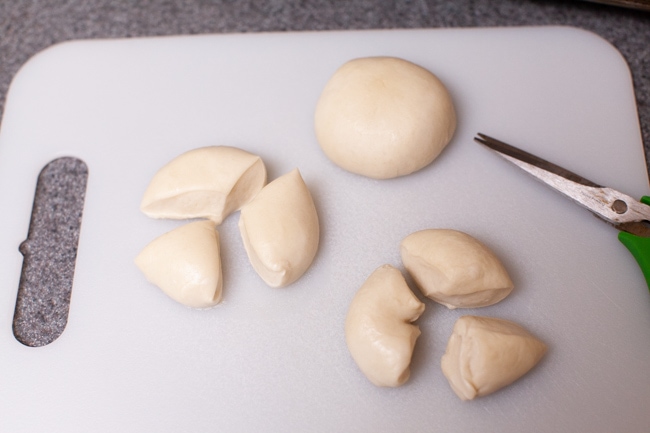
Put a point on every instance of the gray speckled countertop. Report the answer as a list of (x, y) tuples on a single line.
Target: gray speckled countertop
[(29, 26)]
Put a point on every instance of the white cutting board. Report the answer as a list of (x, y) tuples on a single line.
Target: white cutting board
[(132, 360)]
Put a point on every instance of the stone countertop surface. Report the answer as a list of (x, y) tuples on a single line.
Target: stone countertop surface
[(29, 26)]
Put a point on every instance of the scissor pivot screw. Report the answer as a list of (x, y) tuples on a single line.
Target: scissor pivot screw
[(619, 206)]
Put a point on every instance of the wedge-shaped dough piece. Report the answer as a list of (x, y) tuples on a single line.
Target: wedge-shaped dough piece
[(454, 269), (384, 117), (485, 354), (378, 328), (209, 182), (280, 230), (186, 264)]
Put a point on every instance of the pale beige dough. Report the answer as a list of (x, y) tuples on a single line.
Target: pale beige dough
[(208, 182), (485, 354), (280, 230), (384, 117), (378, 328), (185, 263), (454, 269)]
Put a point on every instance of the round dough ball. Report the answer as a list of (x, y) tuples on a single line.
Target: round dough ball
[(384, 117)]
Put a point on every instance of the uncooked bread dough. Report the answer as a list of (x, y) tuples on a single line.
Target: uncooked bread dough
[(208, 182), (384, 117), (485, 354), (186, 264), (454, 269), (378, 328), (280, 230)]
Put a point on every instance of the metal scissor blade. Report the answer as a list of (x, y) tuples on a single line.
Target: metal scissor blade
[(606, 203), (520, 155)]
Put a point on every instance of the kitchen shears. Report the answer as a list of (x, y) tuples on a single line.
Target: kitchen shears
[(625, 213)]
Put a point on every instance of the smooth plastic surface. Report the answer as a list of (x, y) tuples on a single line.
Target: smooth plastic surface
[(267, 360)]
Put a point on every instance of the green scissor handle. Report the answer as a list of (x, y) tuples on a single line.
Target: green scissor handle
[(639, 247)]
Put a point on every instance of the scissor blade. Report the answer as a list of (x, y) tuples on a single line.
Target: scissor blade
[(606, 203), (520, 155)]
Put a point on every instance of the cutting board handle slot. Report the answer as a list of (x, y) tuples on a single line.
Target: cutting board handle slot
[(50, 252)]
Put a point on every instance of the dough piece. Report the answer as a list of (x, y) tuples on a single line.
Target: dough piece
[(209, 182), (378, 327), (485, 354), (384, 117), (186, 264), (455, 269), (280, 230)]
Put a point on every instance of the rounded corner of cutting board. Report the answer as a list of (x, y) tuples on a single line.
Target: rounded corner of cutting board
[(44, 54), (39, 60), (590, 36)]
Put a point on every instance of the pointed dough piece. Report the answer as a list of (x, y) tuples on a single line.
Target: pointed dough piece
[(209, 182), (378, 328), (454, 269), (280, 230), (485, 354), (186, 264)]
